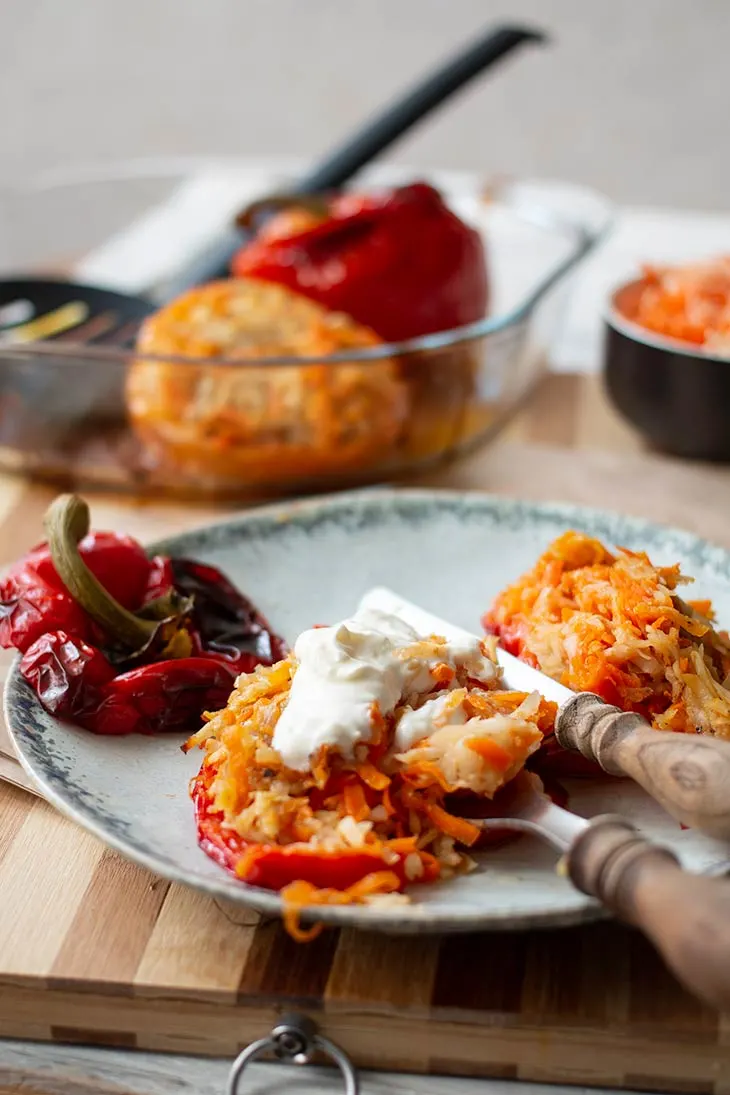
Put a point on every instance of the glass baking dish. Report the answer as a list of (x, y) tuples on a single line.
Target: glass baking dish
[(65, 407)]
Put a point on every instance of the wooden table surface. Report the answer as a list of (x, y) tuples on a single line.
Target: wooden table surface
[(567, 445)]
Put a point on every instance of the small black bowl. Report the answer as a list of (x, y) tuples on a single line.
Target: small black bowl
[(676, 396)]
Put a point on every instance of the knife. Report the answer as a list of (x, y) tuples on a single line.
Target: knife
[(687, 774), (686, 916)]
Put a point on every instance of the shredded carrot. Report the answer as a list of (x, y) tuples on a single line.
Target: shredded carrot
[(689, 303), (403, 845), (296, 931), (430, 863), (296, 896), (370, 775), (320, 767), (355, 802), (613, 624), (492, 752), (442, 673), (425, 774), (379, 724), (243, 864), (299, 895), (387, 803), (459, 828), (376, 882)]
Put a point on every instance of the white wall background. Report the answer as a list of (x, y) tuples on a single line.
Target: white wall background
[(632, 97)]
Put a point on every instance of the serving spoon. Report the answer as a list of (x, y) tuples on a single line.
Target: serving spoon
[(687, 774)]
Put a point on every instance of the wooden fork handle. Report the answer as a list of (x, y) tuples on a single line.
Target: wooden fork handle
[(689, 774), (686, 916)]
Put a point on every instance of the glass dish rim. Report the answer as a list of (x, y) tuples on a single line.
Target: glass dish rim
[(584, 240)]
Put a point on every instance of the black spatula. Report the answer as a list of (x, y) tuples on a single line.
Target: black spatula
[(98, 316), (47, 400)]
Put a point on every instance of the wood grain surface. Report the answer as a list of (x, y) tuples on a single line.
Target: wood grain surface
[(689, 774), (95, 950), (36, 1069)]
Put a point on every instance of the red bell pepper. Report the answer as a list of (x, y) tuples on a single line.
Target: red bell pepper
[(227, 624), (75, 681), (398, 261), (198, 633), (34, 600), (119, 562), (274, 866), (66, 673)]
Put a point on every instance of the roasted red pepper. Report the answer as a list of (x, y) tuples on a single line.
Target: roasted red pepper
[(196, 632), (75, 681), (228, 624), (119, 562), (34, 600), (66, 673), (275, 865), (398, 261)]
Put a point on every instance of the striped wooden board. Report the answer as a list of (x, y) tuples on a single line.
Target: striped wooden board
[(94, 949)]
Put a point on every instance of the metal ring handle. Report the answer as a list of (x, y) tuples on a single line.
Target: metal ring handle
[(294, 1039)]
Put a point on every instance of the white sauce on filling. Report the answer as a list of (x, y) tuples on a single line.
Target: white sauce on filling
[(343, 670), (415, 725)]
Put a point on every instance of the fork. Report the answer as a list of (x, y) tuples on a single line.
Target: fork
[(686, 916), (687, 774)]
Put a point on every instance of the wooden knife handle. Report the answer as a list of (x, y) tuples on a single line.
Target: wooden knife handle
[(689, 774), (686, 916)]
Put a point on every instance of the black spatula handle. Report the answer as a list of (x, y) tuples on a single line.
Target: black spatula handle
[(385, 129), (377, 135)]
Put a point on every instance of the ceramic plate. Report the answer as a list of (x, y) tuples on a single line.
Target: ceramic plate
[(308, 563)]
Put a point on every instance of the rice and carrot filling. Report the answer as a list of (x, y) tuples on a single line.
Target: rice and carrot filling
[(613, 623), (365, 813)]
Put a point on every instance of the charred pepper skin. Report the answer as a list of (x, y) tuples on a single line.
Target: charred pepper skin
[(76, 669)]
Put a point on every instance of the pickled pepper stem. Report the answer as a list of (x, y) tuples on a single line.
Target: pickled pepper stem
[(67, 521)]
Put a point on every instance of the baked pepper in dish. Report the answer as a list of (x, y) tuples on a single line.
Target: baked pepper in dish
[(398, 261)]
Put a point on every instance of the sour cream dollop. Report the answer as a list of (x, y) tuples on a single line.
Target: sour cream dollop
[(342, 671)]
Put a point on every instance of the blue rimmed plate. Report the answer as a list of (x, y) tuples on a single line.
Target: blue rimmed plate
[(310, 562)]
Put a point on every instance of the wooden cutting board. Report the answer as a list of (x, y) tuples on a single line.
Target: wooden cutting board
[(94, 949)]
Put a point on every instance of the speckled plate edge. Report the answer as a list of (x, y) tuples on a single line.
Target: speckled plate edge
[(357, 506)]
